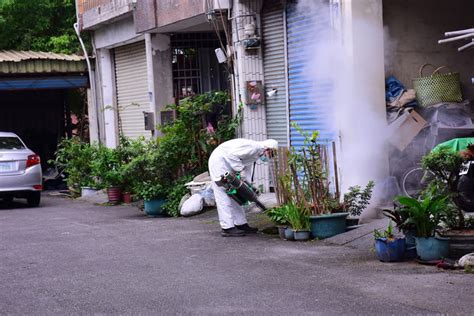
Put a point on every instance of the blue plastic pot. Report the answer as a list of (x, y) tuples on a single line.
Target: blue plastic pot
[(302, 235), (410, 244), (432, 248), (154, 208), (324, 226), (289, 234), (281, 231), (390, 250)]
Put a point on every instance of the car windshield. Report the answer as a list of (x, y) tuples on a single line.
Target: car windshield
[(11, 143)]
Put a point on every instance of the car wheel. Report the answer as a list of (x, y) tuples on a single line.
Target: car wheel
[(34, 199), (7, 199)]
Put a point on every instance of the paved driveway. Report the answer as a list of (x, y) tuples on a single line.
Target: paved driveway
[(73, 257)]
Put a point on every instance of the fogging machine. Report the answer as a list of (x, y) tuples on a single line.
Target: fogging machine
[(240, 190)]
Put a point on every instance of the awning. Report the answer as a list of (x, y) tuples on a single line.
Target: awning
[(56, 82)]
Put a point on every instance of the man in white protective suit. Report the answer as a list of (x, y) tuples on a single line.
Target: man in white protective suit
[(235, 155)]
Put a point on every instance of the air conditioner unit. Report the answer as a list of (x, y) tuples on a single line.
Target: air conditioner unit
[(222, 5)]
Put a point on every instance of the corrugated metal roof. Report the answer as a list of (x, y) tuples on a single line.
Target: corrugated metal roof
[(17, 56), (29, 62)]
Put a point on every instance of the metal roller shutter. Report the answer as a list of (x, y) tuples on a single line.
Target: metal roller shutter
[(309, 100), (132, 89), (275, 71)]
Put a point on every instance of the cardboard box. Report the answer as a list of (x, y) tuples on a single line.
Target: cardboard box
[(405, 128)]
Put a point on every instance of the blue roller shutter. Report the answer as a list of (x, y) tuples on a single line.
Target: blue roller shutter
[(309, 101)]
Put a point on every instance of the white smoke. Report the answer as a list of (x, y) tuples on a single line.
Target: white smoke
[(357, 104)]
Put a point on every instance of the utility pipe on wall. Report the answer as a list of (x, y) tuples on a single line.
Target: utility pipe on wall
[(151, 81), (94, 135)]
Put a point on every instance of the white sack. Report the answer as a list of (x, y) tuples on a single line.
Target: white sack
[(192, 206)]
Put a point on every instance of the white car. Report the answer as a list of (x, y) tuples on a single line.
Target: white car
[(20, 170)]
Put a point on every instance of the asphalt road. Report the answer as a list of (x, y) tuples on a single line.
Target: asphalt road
[(71, 257)]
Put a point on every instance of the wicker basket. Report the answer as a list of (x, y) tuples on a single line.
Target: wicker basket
[(437, 87)]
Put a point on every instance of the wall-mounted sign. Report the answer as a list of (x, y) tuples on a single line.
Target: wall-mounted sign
[(254, 93)]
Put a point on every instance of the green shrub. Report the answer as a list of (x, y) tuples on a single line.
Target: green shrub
[(107, 167), (297, 217), (146, 173), (357, 200), (154, 168), (187, 142), (175, 194), (74, 157), (445, 164), (424, 215), (387, 233), (278, 215)]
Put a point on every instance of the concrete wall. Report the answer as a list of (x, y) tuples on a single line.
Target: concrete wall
[(105, 12), (172, 11), (108, 105), (249, 66), (413, 28), (163, 73), (116, 34)]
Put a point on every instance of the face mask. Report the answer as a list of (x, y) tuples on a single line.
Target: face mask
[(263, 158)]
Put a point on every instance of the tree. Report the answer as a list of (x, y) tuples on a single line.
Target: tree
[(40, 25)]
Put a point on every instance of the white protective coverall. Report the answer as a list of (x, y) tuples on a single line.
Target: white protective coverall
[(238, 155)]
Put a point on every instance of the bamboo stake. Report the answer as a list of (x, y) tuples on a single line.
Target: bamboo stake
[(336, 174)]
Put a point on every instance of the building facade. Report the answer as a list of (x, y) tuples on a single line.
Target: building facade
[(319, 64)]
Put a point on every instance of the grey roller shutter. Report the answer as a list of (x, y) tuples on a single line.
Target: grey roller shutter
[(132, 89), (275, 72), (309, 100)]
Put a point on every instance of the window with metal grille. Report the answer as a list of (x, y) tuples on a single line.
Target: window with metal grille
[(186, 72), (195, 66)]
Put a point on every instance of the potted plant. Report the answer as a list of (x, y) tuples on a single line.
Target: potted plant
[(356, 201), (107, 168), (302, 179), (278, 216), (127, 151), (426, 215), (399, 217), (388, 247), (445, 163), (148, 176), (74, 158), (299, 221), (154, 197), (327, 214)]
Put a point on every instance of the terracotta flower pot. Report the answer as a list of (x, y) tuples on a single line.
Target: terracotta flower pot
[(127, 197), (114, 194)]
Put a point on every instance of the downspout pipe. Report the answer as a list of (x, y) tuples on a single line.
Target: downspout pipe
[(91, 79)]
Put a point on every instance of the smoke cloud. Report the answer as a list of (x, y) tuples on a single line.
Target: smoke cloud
[(348, 58)]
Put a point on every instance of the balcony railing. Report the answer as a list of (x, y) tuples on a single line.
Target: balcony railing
[(94, 12)]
